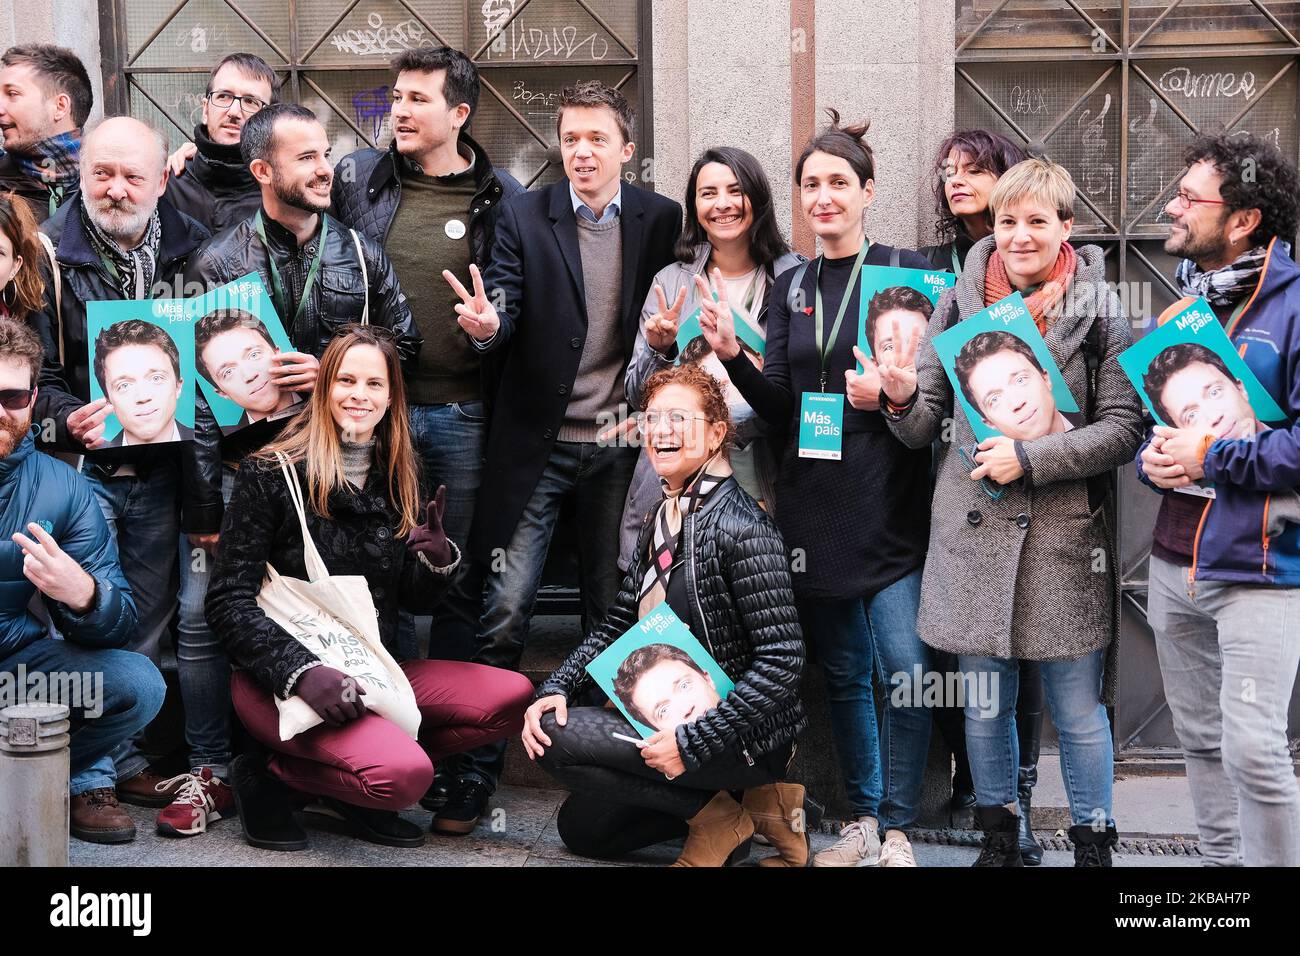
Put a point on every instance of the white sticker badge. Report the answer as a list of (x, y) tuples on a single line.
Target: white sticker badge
[(455, 229)]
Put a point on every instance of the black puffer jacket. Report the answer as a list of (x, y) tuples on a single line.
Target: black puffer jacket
[(261, 526), (742, 610), (216, 187)]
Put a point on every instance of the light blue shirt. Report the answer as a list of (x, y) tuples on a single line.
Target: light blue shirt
[(580, 208)]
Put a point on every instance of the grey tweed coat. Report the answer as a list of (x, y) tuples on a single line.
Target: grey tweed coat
[(1031, 575)]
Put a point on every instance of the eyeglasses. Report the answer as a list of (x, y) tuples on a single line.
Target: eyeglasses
[(222, 99), (16, 399), (676, 417), (1186, 201)]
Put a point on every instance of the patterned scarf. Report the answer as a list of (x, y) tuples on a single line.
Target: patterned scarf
[(134, 267), (1225, 286), (1042, 304), (669, 521), (54, 162)]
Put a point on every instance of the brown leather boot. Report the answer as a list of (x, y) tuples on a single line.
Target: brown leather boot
[(142, 789), (96, 817), (715, 831), (776, 809)]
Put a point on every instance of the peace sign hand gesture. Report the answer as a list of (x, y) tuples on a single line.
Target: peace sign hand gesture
[(897, 367), (477, 316), (661, 328), (716, 320)]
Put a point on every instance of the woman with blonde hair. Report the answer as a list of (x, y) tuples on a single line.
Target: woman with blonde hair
[(1021, 563), (351, 449)]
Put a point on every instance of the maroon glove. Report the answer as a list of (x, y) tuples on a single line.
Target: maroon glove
[(332, 694), (429, 539)]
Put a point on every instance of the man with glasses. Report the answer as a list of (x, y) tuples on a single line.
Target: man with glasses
[(210, 180), (321, 277), (1224, 598), (60, 576)]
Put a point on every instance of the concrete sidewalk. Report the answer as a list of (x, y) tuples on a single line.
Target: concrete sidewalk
[(518, 831)]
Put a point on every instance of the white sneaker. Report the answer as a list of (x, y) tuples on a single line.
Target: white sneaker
[(858, 845), (896, 850)]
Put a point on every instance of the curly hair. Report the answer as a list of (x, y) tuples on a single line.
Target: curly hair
[(18, 343), (978, 348), (1273, 186), (640, 661), (1169, 363), (19, 226), (713, 400), (989, 151)]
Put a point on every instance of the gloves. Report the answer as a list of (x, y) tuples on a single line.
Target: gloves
[(332, 694), (429, 539)]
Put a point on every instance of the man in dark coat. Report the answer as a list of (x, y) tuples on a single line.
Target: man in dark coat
[(570, 270)]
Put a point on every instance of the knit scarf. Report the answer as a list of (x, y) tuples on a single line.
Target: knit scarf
[(1043, 302), (1227, 285), (135, 267), (54, 162), (668, 523)]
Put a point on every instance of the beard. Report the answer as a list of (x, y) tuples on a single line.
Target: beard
[(297, 196), (121, 221), (1210, 246), (12, 432)]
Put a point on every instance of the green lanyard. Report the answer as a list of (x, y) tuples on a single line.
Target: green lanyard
[(277, 284), (117, 277), (1236, 314), (956, 262), (56, 197), (824, 346)]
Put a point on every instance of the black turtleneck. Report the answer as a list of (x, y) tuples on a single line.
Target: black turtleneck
[(216, 187)]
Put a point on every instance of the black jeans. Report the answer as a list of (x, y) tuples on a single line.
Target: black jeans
[(617, 803)]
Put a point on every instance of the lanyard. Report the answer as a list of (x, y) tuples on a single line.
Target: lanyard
[(277, 284), (56, 197), (956, 261), (117, 276), (824, 346), (1236, 314)]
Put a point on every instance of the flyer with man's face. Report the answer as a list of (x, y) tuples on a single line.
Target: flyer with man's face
[(893, 301), (237, 335), (1003, 376), (141, 355)]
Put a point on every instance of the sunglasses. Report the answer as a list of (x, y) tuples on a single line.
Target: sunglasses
[(16, 399)]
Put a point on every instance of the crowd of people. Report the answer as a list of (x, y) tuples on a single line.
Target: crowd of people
[(463, 355)]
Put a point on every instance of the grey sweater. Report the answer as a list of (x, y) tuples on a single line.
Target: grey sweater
[(598, 387)]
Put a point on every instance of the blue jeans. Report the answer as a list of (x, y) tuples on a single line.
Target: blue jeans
[(855, 638), (144, 516), (449, 441), (120, 694), (201, 662), (1073, 691), (597, 476)]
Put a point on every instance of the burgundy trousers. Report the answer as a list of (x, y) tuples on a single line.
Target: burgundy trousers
[(371, 762)]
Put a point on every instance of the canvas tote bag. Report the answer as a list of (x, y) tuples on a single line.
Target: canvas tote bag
[(333, 616)]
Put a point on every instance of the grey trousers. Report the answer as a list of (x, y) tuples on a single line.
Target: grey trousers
[(1228, 656)]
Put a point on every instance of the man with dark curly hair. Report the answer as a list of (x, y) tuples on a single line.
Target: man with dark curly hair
[(1225, 580)]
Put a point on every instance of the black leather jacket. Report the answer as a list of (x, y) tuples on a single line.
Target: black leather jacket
[(336, 299), (216, 187), (742, 611), (84, 279)]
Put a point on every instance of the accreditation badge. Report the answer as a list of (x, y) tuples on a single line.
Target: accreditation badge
[(821, 425)]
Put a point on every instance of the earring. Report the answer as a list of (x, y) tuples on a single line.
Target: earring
[(9, 295)]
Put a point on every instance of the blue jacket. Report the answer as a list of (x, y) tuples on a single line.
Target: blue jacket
[(1238, 539), (36, 487)]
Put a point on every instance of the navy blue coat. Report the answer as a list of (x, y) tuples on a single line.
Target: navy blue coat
[(36, 487)]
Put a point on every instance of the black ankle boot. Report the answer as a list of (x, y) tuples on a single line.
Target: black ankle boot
[(963, 787), (265, 805), (1029, 731), (1092, 847), (1000, 847)]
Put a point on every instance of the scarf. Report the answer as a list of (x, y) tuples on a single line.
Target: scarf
[(668, 523), (54, 162), (1225, 286), (227, 159), (134, 267), (1042, 304)]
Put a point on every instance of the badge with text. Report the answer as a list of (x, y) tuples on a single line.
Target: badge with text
[(821, 425)]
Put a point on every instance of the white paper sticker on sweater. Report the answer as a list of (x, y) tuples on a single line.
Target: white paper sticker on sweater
[(455, 229)]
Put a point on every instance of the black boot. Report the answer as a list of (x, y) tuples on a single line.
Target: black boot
[(383, 827), (1000, 847), (1092, 847), (264, 805), (952, 728), (1029, 731)]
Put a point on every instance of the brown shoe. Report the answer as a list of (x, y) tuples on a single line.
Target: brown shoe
[(715, 831), (96, 817), (777, 812), (142, 790)]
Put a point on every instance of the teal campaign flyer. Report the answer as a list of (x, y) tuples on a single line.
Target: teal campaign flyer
[(1190, 376), (1003, 376), (887, 295), (659, 675), (690, 337), (141, 355), (237, 334), (821, 425)]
